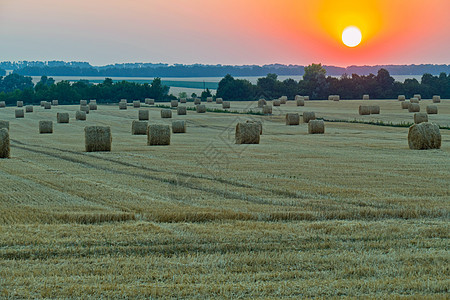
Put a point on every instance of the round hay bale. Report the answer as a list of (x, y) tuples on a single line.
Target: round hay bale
[(374, 109), (364, 110), (179, 126), (84, 108), (45, 127), (259, 124), (276, 102), (283, 99), (298, 97), (226, 104), (219, 100), (29, 108), (80, 115), (93, 101), (201, 108), (209, 99), (336, 98), (432, 109), (92, 106), (267, 109), (166, 113), (414, 107), (306, 98), (47, 105), (143, 115), (366, 97), (197, 101), (401, 98), (414, 100), (158, 135), (136, 103), (292, 119), (4, 143), (122, 105), (300, 102), (181, 110), (97, 138), (19, 113), (55, 102), (174, 103), (247, 133), (183, 100), (316, 127), (4, 124), (83, 102), (42, 103), (405, 104), (262, 102), (139, 127), (149, 101), (424, 136), (418, 96), (420, 118), (62, 117), (331, 97), (19, 103), (436, 99), (308, 116), (2, 104)]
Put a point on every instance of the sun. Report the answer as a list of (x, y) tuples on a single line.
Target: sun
[(351, 36)]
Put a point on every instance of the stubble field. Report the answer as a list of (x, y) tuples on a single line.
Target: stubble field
[(352, 212)]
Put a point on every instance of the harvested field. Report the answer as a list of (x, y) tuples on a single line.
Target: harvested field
[(298, 215)]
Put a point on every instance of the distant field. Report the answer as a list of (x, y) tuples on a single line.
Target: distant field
[(350, 213)]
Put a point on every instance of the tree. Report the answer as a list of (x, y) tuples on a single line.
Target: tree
[(314, 71), (206, 94), (182, 95), (314, 82), (157, 90)]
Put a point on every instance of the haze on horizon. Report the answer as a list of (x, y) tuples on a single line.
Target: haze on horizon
[(225, 32)]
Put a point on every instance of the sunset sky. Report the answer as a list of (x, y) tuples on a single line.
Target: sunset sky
[(225, 32)]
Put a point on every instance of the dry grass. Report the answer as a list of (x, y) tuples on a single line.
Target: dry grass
[(352, 213)]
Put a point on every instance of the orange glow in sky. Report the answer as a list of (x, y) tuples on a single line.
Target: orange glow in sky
[(226, 32)]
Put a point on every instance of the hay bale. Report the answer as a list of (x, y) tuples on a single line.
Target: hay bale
[(247, 133), (143, 115), (209, 99), (267, 109), (336, 98), (174, 103), (4, 143), (84, 108), (292, 119), (374, 109), (201, 108), (62, 117), (262, 102), (432, 109), (436, 99), (418, 96), (47, 105), (316, 127), (166, 113), (283, 99), (136, 104), (424, 136), (276, 102), (183, 100), (19, 113), (226, 104), (366, 97), (420, 118), (300, 102), (414, 100), (298, 97), (93, 101), (181, 110), (405, 104), (2, 104), (364, 110), (414, 107), (83, 102), (158, 135), (122, 105), (219, 100), (42, 103), (306, 98), (45, 127), (4, 124), (149, 101), (92, 106), (197, 101), (19, 103), (139, 127), (331, 97), (55, 102), (401, 98), (179, 126), (97, 138), (29, 108), (256, 122), (308, 116), (80, 115)]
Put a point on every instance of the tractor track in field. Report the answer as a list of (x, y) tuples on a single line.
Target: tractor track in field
[(222, 193)]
